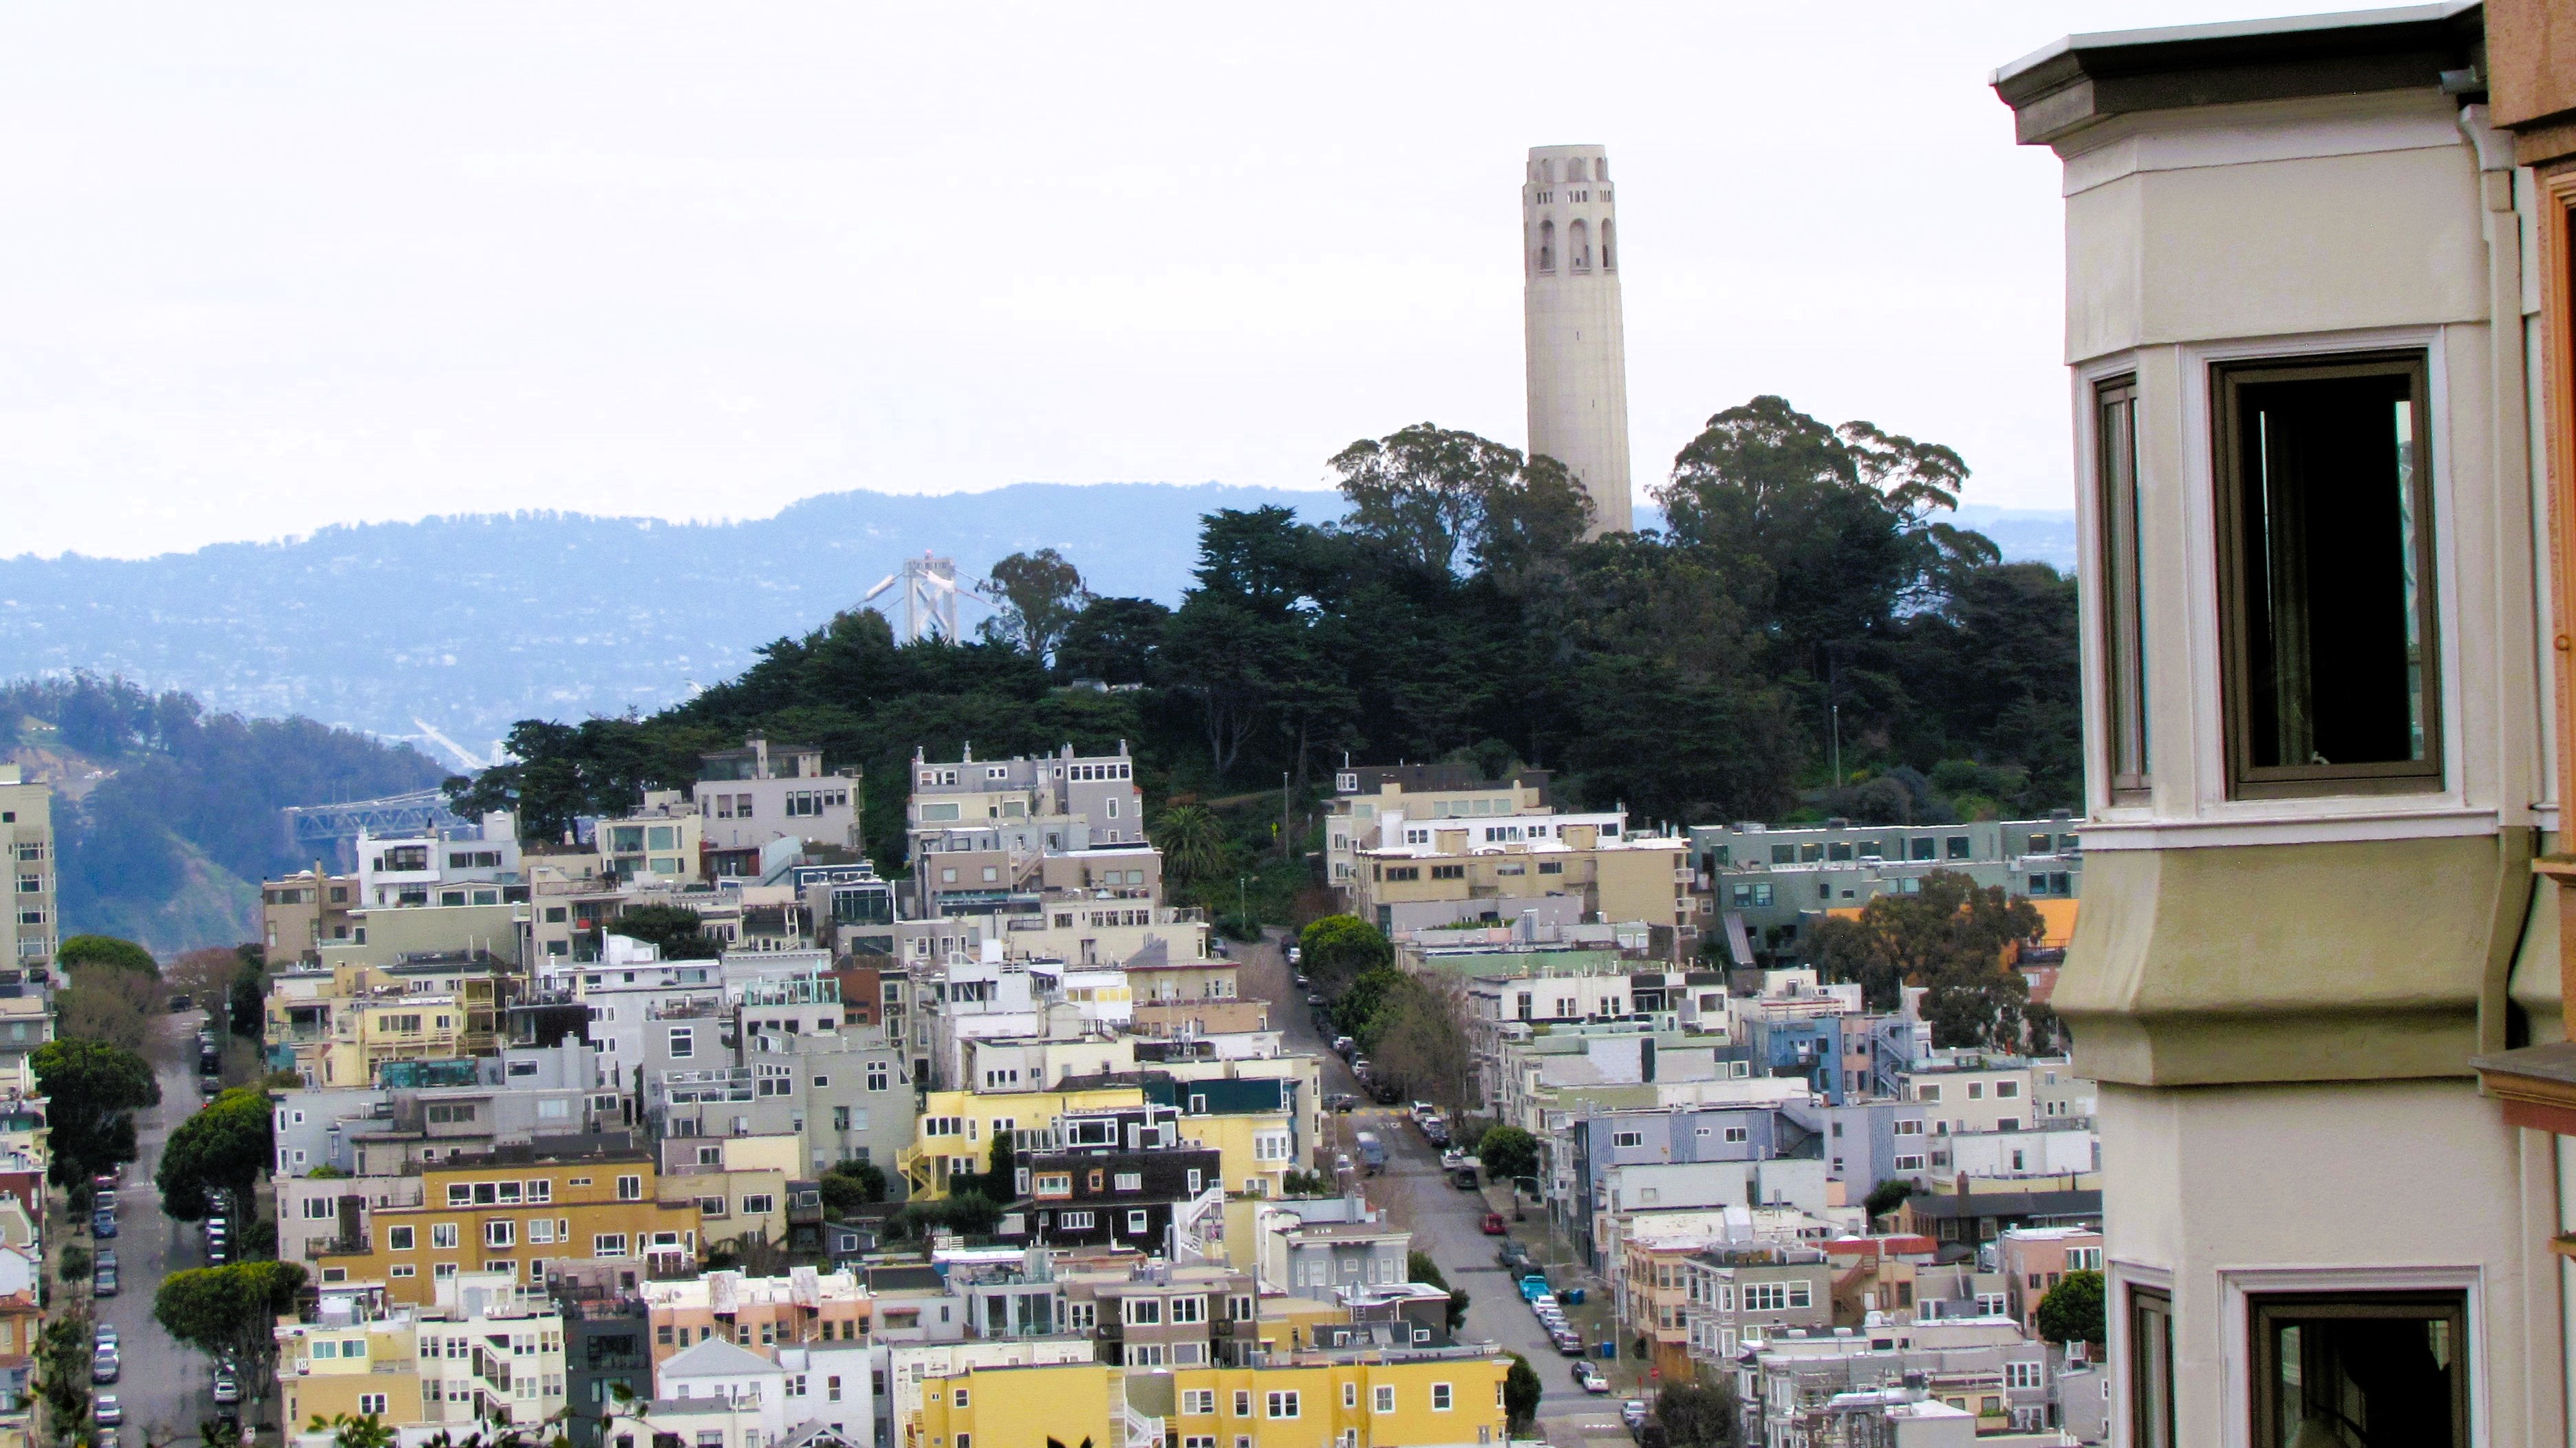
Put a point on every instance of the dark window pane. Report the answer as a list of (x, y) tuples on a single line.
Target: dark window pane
[(2371, 1372), (2329, 579)]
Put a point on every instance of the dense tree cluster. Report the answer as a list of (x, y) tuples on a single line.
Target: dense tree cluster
[(1807, 603), (1955, 940)]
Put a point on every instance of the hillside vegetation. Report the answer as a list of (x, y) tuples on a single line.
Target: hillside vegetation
[(1808, 598), (167, 817)]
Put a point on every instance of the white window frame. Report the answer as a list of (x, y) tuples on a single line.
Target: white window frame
[(2237, 1285), (2214, 819)]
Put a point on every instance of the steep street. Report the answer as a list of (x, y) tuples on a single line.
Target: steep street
[(166, 1389), (1445, 1221)]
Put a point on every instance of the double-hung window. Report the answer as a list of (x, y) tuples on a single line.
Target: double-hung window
[(2325, 517)]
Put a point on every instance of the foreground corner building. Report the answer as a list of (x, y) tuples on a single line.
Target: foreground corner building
[(2317, 323)]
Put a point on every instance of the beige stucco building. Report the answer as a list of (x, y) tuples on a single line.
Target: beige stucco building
[(2315, 329), (1630, 878)]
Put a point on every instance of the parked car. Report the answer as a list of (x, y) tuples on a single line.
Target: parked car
[(1568, 1344), (102, 1224), (104, 1367), (1314, 1000), (107, 1410), (106, 1438), (106, 1180), (1590, 1378), (105, 1335), (102, 1282), (1302, 982), (105, 1201), (1296, 956), (180, 1003), (227, 1386), (1343, 1046), (1633, 1413), (1345, 1101), (1492, 1226)]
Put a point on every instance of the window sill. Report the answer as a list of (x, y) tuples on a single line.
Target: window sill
[(2302, 822)]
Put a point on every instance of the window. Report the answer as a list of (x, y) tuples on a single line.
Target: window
[(608, 1244), (2124, 630), (442, 1235), (683, 1042), (1198, 1402), (1144, 1311), (877, 1074), (1189, 1309), (398, 1239), (1074, 1221), (1385, 1399), (2021, 1375), (1280, 1405), (2326, 577), (371, 1404), (1440, 1397), (630, 1189), (1136, 1223), (1243, 1402), (2390, 1367), (500, 1233), (1627, 1138)]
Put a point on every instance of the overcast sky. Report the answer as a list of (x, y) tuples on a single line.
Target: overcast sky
[(266, 269)]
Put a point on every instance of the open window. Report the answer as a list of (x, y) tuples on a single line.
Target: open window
[(2326, 577), (2369, 1368)]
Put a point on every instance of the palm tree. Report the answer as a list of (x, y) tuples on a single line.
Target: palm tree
[(1192, 842)]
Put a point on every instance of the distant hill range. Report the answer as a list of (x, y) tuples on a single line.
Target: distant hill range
[(469, 623)]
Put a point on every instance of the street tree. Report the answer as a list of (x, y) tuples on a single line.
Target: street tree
[(1507, 1152), (225, 1147), (82, 950), (1421, 1041), (204, 974), (230, 1312), (2073, 1310), (1700, 1414), (1338, 949), (94, 1089), (1521, 1391), (105, 1003)]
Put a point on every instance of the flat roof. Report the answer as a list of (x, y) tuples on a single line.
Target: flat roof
[(2079, 80)]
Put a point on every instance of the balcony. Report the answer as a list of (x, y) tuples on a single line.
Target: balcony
[(321, 1247)]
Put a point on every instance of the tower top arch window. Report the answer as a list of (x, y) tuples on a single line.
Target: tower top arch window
[(1547, 246), (1609, 245), (1578, 247)]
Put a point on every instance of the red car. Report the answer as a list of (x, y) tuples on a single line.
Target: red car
[(1493, 1225)]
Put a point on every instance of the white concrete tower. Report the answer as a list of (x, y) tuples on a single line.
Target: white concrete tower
[(1578, 349)]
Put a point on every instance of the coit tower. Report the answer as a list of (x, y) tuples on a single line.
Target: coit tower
[(1578, 356)]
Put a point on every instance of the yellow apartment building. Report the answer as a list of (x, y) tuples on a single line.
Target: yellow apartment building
[(497, 1215), (1619, 880), (1431, 1401), (368, 1367), (1411, 1402), (954, 1132), (1021, 1407)]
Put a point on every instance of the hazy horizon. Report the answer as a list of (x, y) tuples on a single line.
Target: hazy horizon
[(276, 267)]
